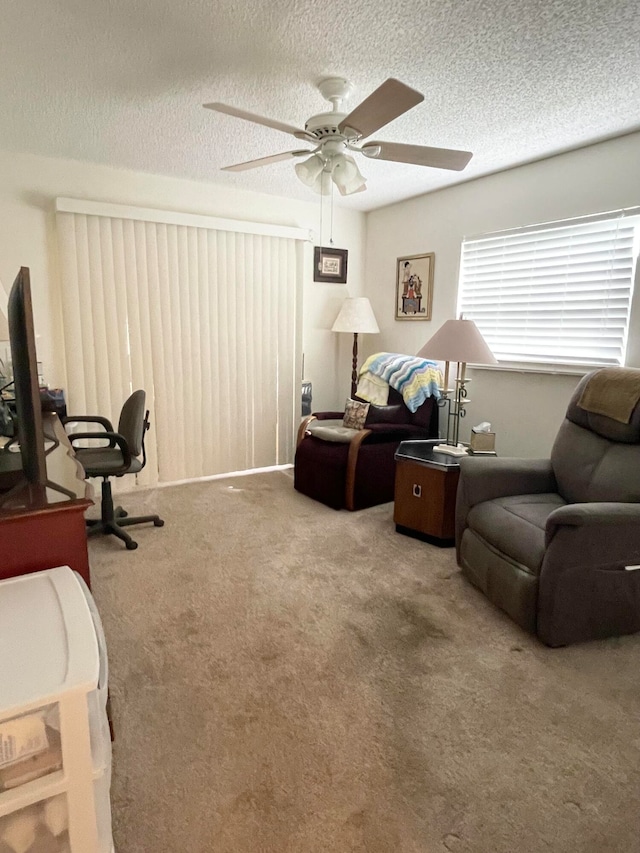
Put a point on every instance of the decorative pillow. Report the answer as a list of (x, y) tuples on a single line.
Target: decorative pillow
[(355, 414), (386, 415)]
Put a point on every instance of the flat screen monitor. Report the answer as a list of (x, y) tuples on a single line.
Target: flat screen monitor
[(25, 376)]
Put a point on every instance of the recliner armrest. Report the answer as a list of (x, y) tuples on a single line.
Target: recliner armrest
[(601, 513), (328, 416), (485, 479), (584, 590)]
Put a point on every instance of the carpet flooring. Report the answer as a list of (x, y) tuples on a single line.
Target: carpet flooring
[(290, 679)]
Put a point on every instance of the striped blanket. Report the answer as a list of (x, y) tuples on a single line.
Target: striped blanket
[(415, 378)]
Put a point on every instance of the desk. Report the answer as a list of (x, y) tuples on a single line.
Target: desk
[(41, 531)]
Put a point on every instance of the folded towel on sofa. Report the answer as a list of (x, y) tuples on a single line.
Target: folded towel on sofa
[(613, 392), (373, 389)]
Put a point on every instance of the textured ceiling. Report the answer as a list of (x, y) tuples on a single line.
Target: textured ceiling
[(122, 82)]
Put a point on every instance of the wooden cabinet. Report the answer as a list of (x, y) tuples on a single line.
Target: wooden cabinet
[(45, 537), (48, 530), (425, 493)]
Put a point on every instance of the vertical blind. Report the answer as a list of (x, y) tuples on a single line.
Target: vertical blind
[(206, 321), (558, 293)]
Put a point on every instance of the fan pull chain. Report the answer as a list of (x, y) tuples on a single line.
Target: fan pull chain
[(331, 227)]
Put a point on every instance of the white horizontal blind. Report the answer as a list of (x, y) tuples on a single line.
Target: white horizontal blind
[(205, 321), (558, 293)]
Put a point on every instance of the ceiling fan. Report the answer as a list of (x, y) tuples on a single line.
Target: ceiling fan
[(335, 133)]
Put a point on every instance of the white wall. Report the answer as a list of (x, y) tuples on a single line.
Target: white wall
[(525, 409), (29, 185)]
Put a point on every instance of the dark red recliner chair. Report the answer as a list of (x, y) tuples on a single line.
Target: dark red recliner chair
[(357, 470)]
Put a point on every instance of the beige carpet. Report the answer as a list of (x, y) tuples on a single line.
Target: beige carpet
[(290, 679)]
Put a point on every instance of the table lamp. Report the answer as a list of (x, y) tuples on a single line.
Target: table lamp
[(356, 316), (459, 341)]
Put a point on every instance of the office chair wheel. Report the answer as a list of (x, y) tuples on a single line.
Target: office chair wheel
[(131, 545), (158, 523), (120, 512)]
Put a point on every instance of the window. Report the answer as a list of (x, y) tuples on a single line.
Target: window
[(553, 294)]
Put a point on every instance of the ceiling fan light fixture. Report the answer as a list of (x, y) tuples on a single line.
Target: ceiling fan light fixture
[(346, 175), (322, 184), (354, 187), (310, 170), (343, 169)]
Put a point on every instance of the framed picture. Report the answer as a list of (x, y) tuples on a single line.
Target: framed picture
[(330, 265), (414, 287)]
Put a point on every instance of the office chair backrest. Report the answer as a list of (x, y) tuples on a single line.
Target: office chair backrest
[(132, 422)]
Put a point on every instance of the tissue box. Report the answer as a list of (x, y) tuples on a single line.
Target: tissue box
[(483, 441)]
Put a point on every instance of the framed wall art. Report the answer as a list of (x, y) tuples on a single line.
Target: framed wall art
[(330, 265), (414, 287)]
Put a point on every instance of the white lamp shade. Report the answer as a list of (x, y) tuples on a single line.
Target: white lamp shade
[(346, 175), (458, 340), (309, 170), (356, 185), (322, 185), (356, 315), (343, 168)]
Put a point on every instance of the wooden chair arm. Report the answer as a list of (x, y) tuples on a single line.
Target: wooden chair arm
[(352, 461), (304, 423)]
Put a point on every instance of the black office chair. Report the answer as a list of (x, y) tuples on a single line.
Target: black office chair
[(117, 458)]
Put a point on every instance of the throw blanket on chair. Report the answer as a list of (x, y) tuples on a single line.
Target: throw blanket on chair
[(415, 378)]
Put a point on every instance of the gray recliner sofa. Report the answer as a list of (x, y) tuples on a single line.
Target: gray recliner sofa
[(548, 541)]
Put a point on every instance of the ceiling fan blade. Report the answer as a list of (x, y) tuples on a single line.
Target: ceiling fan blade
[(264, 161), (419, 155), (389, 101), (267, 122)]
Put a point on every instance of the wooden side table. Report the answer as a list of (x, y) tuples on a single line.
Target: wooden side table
[(425, 492)]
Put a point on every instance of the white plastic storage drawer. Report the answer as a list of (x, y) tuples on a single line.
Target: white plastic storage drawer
[(55, 750), (39, 828), (98, 731), (97, 699), (103, 812), (29, 747)]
